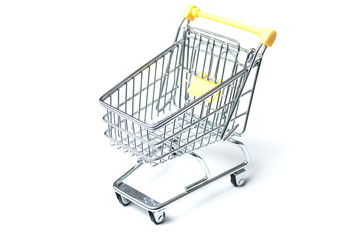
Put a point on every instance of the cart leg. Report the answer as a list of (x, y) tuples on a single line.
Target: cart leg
[(205, 169), (130, 171), (122, 199), (126, 194), (238, 177)]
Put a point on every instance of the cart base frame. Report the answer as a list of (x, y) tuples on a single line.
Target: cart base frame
[(127, 194)]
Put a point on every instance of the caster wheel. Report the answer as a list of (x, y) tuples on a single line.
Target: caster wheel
[(157, 217), (238, 178), (124, 201)]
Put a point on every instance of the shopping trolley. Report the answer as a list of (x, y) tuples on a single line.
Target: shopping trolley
[(196, 92)]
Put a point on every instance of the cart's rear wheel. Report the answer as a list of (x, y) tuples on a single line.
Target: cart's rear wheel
[(124, 201), (157, 217), (238, 178)]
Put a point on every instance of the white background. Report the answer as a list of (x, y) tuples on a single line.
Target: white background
[(56, 167)]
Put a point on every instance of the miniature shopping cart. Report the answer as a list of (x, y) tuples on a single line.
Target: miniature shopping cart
[(196, 92)]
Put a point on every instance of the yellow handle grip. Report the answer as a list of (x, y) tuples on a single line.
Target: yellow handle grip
[(266, 36)]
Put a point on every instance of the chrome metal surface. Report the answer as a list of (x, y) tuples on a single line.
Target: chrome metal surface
[(242, 147), (205, 169), (151, 204), (136, 196), (151, 115)]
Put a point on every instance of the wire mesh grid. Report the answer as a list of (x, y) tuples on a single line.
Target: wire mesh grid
[(152, 115)]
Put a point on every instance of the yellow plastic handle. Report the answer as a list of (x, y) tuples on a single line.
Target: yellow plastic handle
[(266, 36)]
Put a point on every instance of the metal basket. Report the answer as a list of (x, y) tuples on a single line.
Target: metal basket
[(196, 92), (151, 114)]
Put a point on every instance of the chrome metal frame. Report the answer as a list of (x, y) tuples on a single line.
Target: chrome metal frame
[(151, 115), (150, 204)]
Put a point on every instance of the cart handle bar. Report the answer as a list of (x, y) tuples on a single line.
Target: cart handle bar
[(266, 36)]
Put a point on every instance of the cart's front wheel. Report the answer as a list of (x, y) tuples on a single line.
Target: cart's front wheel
[(238, 178), (124, 201), (157, 217)]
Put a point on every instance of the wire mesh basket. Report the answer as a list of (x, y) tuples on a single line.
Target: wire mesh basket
[(196, 92), (152, 114)]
